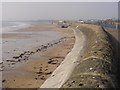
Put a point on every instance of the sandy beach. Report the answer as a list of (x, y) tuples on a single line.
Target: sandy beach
[(37, 63), (59, 45), (52, 63)]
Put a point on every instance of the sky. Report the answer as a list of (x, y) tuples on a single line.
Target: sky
[(58, 10), (60, 0)]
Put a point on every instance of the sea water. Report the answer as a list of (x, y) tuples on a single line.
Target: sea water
[(8, 26), (24, 41)]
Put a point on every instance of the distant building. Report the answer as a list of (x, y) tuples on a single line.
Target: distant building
[(63, 24), (81, 21), (60, 21)]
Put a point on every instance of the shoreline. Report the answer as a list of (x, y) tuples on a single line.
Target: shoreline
[(54, 67), (65, 69), (40, 65)]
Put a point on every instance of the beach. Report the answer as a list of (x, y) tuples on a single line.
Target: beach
[(31, 64), (55, 60), (59, 45)]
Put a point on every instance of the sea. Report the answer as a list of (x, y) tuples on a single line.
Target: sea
[(110, 26), (8, 26), (24, 41)]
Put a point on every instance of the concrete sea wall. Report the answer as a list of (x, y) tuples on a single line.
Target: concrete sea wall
[(90, 64), (65, 69), (96, 69)]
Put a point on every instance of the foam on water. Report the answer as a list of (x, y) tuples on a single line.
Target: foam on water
[(11, 26)]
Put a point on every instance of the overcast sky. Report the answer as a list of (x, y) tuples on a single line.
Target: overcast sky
[(58, 10)]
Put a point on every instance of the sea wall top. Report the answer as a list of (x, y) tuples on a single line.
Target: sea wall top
[(96, 69)]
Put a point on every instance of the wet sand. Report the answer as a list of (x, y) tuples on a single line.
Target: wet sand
[(40, 65), (66, 68)]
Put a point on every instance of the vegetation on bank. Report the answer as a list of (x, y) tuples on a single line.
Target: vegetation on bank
[(97, 67)]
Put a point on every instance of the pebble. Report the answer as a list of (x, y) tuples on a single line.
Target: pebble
[(42, 78), (80, 84), (46, 69), (73, 81), (91, 68), (53, 75), (36, 78), (93, 77), (69, 85)]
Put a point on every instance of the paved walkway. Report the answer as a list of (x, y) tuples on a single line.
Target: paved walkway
[(63, 72)]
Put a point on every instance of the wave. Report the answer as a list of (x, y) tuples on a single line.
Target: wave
[(11, 26)]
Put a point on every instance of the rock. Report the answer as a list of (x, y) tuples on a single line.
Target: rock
[(16, 57), (39, 72), (13, 63), (19, 60), (21, 55), (46, 69), (80, 84), (73, 81), (69, 85), (43, 78), (36, 78), (53, 75), (50, 61), (45, 46), (54, 62), (38, 50), (1, 62), (48, 73), (39, 75), (32, 52), (3, 81), (40, 69)]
